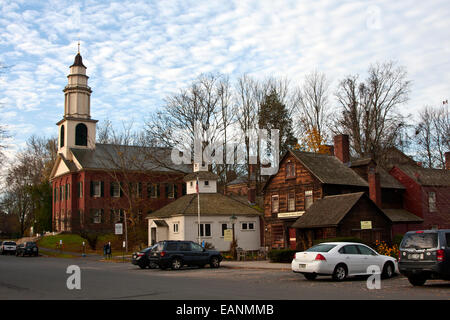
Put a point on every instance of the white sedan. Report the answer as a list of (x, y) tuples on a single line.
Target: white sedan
[(342, 259)]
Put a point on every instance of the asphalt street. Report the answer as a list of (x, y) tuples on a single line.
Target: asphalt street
[(46, 278)]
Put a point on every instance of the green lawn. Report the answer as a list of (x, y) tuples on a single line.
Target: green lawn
[(71, 242)]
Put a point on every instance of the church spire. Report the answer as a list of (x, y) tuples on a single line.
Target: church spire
[(76, 129)]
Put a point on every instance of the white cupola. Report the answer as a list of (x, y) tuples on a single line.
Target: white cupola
[(207, 181), (76, 129)]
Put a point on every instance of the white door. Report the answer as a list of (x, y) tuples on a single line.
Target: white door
[(369, 258), (352, 258)]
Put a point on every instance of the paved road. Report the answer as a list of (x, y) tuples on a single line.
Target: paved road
[(45, 278)]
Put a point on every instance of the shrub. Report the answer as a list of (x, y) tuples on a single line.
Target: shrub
[(385, 249), (281, 255)]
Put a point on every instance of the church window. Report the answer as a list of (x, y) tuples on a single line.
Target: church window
[(81, 134), (61, 137)]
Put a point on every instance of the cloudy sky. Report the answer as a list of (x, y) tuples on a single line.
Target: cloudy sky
[(138, 52)]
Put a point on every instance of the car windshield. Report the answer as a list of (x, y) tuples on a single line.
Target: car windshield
[(420, 241), (321, 248), (30, 244), (9, 243)]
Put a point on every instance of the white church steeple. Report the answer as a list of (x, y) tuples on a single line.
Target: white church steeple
[(76, 129)]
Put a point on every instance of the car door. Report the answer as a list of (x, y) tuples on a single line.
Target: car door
[(369, 258), (186, 250), (352, 258), (200, 256)]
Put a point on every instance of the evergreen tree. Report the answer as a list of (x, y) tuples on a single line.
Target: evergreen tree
[(274, 115)]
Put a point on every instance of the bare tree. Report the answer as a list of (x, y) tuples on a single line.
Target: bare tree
[(432, 135), (313, 105), (204, 105), (131, 164), (369, 109)]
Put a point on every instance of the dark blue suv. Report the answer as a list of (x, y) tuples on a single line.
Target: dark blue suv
[(176, 254)]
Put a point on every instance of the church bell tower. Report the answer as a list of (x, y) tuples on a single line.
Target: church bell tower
[(76, 129)]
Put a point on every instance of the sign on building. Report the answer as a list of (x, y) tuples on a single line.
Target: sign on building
[(228, 235), (119, 228), (366, 225)]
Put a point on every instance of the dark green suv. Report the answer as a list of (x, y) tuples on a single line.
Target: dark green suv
[(424, 255), (176, 254)]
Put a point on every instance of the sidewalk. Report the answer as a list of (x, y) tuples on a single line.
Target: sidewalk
[(262, 265)]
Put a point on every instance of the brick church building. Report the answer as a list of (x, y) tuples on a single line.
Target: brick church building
[(97, 185)]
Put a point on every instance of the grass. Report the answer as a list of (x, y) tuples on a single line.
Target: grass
[(71, 242)]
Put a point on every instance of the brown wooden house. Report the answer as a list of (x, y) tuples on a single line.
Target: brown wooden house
[(305, 178)]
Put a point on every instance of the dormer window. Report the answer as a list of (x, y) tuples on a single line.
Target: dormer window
[(206, 183)]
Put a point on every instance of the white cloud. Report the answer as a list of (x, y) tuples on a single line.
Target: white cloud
[(138, 52)]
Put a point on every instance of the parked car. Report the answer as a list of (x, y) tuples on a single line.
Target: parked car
[(341, 260), (176, 254), (8, 247), (27, 249), (141, 258), (425, 254)]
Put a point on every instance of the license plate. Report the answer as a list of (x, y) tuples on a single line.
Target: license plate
[(415, 256), (302, 266)]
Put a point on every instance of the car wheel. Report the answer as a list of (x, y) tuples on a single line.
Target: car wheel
[(176, 264), (417, 280), (215, 262), (340, 272), (310, 276), (388, 271)]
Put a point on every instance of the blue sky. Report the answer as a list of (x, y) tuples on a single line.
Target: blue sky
[(138, 52)]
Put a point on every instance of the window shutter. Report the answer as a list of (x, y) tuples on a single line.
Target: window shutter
[(102, 187), (92, 188), (158, 192), (111, 189), (101, 214), (166, 190), (175, 191), (120, 187), (183, 189)]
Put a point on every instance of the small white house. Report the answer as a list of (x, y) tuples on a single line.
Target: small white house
[(179, 220)]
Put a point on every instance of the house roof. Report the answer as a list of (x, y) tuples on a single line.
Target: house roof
[(386, 180), (161, 223), (210, 204), (108, 156), (328, 211), (329, 169), (203, 175), (427, 176), (401, 215)]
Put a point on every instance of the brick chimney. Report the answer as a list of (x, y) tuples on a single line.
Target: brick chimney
[(374, 186), (447, 160), (251, 193), (342, 147)]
